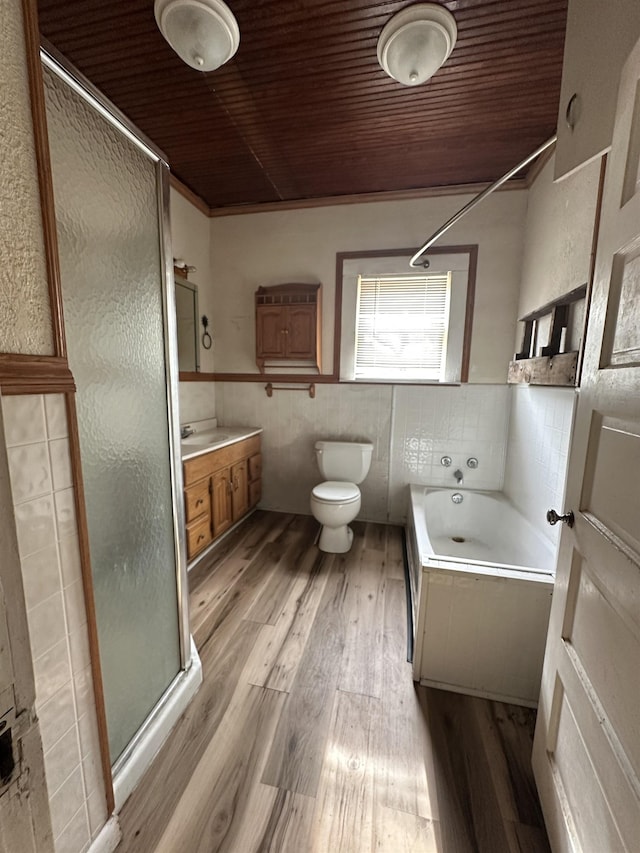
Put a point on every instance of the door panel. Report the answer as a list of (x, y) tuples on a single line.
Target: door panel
[(587, 744), (270, 340), (240, 493), (221, 494), (301, 327)]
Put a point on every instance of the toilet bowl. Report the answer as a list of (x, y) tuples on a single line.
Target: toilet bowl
[(337, 501)]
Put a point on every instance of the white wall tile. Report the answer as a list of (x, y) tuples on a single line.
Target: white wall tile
[(35, 525), (30, 471), (60, 463), (411, 427), (197, 401), (74, 606), (46, 625), (97, 808), (55, 416), (538, 451), (65, 509), (70, 559), (57, 716), (75, 837), (61, 760), (66, 801), (23, 419), (44, 509), (52, 671), (40, 575)]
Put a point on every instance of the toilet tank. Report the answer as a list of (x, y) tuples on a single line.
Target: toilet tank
[(344, 461)]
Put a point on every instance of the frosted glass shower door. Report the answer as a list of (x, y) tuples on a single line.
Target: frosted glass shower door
[(110, 244)]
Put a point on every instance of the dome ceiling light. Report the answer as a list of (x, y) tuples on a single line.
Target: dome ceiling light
[(416, 42), (204, 33)]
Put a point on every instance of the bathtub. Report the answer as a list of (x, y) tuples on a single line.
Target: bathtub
[(481, 579)]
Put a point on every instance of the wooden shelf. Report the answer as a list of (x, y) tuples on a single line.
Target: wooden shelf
[(551, 366)]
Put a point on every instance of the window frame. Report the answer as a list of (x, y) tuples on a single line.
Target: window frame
[(461, 260)]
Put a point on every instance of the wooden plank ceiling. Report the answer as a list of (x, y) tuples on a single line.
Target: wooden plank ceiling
[(304, 111)]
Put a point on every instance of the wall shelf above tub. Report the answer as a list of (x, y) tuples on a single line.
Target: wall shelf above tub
[(561, 323)]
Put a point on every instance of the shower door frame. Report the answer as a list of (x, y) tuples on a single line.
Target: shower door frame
[(58, 65)]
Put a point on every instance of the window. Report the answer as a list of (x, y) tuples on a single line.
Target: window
[(401, 326), (398, 324)]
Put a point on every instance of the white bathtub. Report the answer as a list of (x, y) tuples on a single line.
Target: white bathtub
[(481, 583)]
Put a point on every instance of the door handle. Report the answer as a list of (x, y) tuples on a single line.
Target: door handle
[(553, 518)]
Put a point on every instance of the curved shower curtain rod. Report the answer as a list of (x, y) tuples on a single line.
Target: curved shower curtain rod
[(415, 260)]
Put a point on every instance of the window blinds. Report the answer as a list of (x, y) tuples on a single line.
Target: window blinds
[(401, 326)]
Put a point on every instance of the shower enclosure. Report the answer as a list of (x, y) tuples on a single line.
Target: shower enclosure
[(111, 198)]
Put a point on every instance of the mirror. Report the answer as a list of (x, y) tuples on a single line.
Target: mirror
[(187, 323)]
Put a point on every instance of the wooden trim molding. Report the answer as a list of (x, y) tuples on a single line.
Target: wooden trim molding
[(89, 599), (35, 374), (332, 201), (361, 198), (45, 179)]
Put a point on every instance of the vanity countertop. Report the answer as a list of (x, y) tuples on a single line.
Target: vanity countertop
[(213, 439)]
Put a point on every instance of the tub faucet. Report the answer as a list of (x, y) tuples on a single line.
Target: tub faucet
[(186, 431), (458, 475)]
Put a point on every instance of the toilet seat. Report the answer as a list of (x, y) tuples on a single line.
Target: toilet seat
[(332, 492)]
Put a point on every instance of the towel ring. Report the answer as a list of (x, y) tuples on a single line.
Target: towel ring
[(206, 337)]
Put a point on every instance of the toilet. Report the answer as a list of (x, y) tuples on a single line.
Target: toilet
[(337, 501)]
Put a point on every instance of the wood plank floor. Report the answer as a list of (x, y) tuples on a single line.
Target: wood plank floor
[(308, 734)]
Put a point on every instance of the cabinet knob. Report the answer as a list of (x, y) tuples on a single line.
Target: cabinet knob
[(201, 537), (199, 502)]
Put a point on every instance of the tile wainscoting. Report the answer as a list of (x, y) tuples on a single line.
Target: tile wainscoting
[(39, 463), (541, 420), (411, 428)]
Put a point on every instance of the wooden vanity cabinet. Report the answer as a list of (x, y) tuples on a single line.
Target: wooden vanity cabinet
[(288, 324), (220, 488)]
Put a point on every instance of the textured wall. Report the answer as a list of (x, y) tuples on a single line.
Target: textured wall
[(25, 319), (301, 245), (190, 237), (558, 235)]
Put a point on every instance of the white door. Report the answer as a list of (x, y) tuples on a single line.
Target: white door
[(587, 745)]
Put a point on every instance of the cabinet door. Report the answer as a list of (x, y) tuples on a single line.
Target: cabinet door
[(599, 38), (270, 331), (221, 494), (240, 489), (301, 331)]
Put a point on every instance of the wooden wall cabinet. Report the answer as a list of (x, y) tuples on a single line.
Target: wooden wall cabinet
[(288, 320), (220, 488)]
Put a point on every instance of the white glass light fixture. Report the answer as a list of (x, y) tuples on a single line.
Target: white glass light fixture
[(204, 33), (416, 42)]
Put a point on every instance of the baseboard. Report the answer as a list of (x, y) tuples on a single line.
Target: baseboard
[(108, 838), (483, 694), (131, 766)]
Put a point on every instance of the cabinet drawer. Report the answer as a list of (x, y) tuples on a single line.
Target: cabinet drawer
[(196, 500), (198, 536), (255, 467), (255, 492), (208, 463)]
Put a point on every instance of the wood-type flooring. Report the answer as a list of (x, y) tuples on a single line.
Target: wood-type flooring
[(308, 734)]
